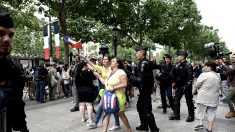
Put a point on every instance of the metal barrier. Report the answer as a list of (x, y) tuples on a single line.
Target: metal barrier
[(29, 89), (3, 126)]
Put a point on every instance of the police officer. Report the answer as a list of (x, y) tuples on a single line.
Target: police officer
[(183, 77), (145, 81), (12, 79), (165, 79)]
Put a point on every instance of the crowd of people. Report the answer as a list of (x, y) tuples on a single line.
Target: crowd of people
[(88, 80)]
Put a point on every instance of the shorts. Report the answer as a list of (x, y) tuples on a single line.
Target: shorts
[(86, 94)]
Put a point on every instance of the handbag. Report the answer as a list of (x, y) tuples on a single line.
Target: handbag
[(62, 82)]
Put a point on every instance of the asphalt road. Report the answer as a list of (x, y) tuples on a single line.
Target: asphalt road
[(55, 116)]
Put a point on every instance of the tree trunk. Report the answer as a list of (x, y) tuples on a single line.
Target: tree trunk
[(63, 23), (141, 38)]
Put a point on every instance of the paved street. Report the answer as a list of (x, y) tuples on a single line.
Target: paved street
[(55, 116)]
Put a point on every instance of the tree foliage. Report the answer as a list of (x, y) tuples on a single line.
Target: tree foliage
[(172, 23), (28, 37)]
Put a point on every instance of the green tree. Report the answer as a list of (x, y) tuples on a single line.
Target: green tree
[(27, 43), (28, 37), (206, 35), (133, 18)]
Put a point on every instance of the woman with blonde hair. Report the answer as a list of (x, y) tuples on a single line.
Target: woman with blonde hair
[(104, 71)]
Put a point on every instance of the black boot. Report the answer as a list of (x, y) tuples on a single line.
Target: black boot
[(24, 131), (190, 119), (151, 123), (174, 117), (164, 111), (75, 109), (157, 130), (142, 128)]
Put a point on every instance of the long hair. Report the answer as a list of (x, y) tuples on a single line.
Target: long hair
[(109, 57), (120, 63)]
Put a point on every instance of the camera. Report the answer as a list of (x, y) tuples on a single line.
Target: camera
[(215, 52)]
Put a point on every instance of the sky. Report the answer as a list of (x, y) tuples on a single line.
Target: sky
[(220, 15)]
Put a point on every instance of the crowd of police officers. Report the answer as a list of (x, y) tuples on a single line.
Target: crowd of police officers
[(178, 77)]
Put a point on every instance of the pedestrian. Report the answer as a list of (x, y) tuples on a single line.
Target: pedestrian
[(182, 84), (117, 82), (230, 95), (145, 82), (105, 71), (74, 88), (165, 80), (86, 91), (59, 82), (65, 77), (128, 71), (12, 78), (207, 86), (41, 76), (53, 78)]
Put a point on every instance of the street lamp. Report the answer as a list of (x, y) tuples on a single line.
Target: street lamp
[(47, 14), (115, 40), (104, 49), (71, 57)]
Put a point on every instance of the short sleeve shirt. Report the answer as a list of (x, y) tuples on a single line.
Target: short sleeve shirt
[(104, 72), (114, 79)]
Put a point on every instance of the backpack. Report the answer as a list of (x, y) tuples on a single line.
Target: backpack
[(110, 102), (37, 73)]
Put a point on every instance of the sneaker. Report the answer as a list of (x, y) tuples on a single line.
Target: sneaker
[(114, 128), (83, 120), (230, 114), (223, 101), (198, 127), (92, 126), (88, 123)]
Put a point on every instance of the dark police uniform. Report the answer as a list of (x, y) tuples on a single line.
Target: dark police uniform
[(12, 81), (144, 104), (165, 78), (183, 77)]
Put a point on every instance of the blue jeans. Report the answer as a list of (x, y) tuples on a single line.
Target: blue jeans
[(40, 90), (65, 89), (100, 111)]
